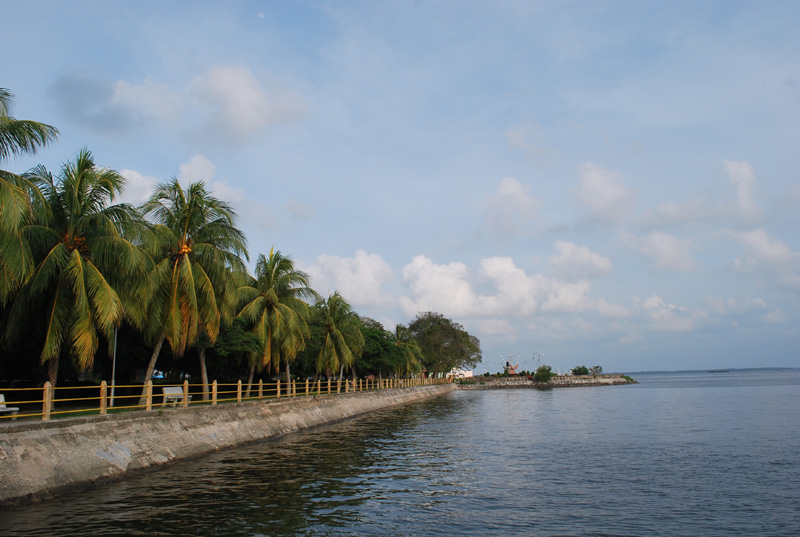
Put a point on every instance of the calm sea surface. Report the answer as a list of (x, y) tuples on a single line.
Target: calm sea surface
[(678, 454)]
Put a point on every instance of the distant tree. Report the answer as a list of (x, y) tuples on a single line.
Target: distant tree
[(543, 374), (596, 369), (444, 344), (580, 370)]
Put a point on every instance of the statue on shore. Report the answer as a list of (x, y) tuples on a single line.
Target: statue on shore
[(510, 369)]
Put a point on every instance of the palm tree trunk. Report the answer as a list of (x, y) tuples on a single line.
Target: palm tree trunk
[(288, 380), (250, 378), (201, 351), (150, 368), (339, 380), (52, 370), (52, 374)]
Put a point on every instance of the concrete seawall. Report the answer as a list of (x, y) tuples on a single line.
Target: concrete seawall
[(39, 459)]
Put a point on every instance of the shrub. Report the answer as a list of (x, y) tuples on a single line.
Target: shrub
[(580, 370), (543, 374)]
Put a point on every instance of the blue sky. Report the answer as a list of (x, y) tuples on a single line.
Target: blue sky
[(608, 183)]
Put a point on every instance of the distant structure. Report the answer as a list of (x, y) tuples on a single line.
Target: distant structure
[(510, 369), (460, 373)]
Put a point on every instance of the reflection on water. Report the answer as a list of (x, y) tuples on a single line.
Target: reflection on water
[(664, 457)]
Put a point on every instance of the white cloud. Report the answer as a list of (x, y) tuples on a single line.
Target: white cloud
[(138, 188), (568, 298), (359, 278), (577, 262), (666, 317), (743, 179), (240, 107), (602, 193), (662, 250), (442, 288), (770, 257), (197, 168), (510, 207)]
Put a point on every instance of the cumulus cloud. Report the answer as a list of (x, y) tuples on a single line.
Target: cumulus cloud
[(568, 298), (443, 288), (240, 107), (666, 317), (138, 187), (510, 207), (768, 257), (662, 250), (359, 278), (579, 262), (602, 193), (197, 168), (744, 181), (505, 290)]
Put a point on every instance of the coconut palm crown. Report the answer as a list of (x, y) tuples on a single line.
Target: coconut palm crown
[(78, 238), (275, 307), (17, 137), (197, 250), (343, 339)]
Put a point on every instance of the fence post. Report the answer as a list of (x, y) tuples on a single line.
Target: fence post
[(329, 386), (260, 388), (278, 390), (239, 391), (214, 389), (47, 400), (148, 402), (103, 400), (294, 388), (346, 386), (306, 386), (185, 402)]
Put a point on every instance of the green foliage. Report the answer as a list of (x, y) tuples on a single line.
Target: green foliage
[(444, 343), (580, 370), (543, 374)]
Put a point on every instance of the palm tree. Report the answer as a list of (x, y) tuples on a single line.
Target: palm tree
[(77, 235), (17, 137), (343, 339), (274, 306), (191, 286), (412, 354)]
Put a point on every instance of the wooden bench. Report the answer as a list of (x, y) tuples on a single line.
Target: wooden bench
[(173, 394), (7, 409)]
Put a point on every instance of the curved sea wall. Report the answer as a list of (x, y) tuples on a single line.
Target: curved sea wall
[(38, 459)]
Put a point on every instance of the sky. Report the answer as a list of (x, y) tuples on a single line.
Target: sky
[(602, 183)]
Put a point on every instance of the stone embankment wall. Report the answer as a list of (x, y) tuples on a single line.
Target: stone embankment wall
[(560, 381), (38, 459)]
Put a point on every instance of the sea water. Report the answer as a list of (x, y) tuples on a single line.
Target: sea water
[(691, 453)]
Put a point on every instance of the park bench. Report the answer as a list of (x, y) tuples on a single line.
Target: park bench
[(7, 409), (173, 394)]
